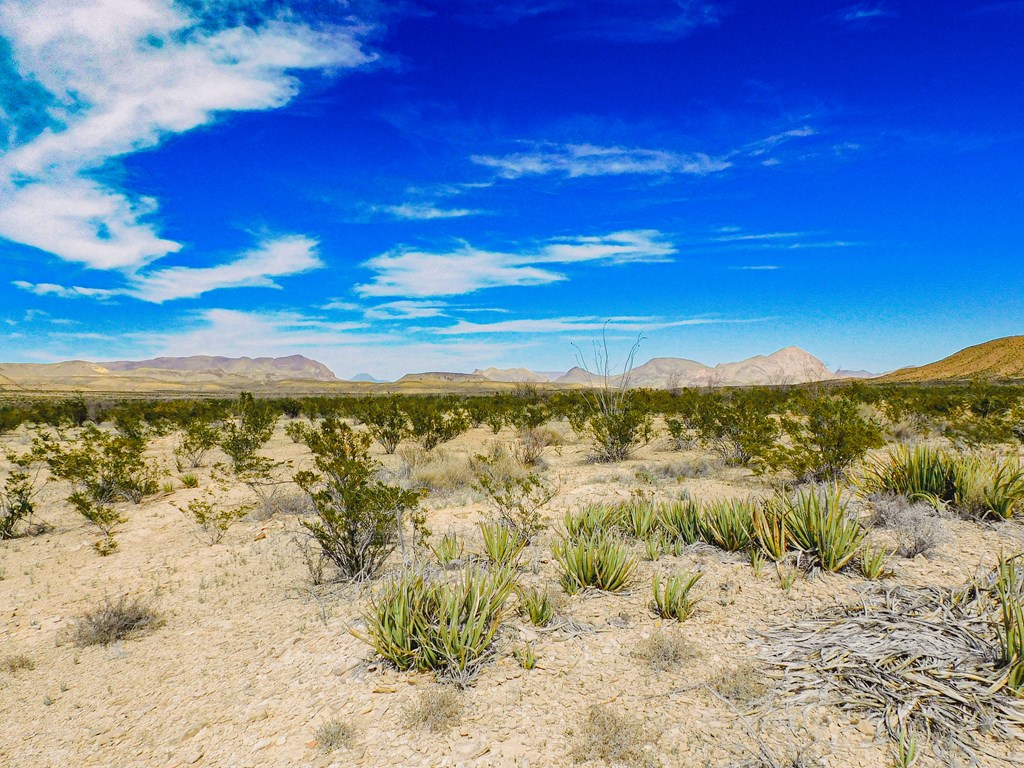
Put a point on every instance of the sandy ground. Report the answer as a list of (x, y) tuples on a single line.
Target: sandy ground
[(249, 661)]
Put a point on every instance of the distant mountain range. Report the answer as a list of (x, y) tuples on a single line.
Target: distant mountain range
[(996, 359), (791, 365)]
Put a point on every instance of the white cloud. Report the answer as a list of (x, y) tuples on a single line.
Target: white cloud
[(121, 76), (425, 211), (758, 267), (586, 324), (276, 257), (575, 160), (423, 274), (406, 310)]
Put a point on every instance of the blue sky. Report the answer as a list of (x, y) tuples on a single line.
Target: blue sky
[(428, 184)]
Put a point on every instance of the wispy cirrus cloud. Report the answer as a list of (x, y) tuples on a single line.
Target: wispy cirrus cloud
[(587, 324), (863, 12), (425, 211), (577, 160), (117, 77), (420, 274), (272, 258)]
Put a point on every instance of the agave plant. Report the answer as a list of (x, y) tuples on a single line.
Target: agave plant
[(728, 524), (681, 520), (1010, 591), (771, 529), (502, 545), (639, 518), (448, 549), (537, 606), (600, 561), (822, 527), (673, 600), (592, 519)]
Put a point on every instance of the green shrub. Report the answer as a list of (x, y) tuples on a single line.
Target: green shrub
[(517, 501), (249, 428), (740, 427), (212, 518), (198, 438), (446, 627), (435, 421), (828, 435), (729, 524), (673, 601), (359, 519), (386, 421), (16, 506), (600, 561), (502, 545)]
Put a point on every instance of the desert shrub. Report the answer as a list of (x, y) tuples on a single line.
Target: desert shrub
[(448, 549), (537, 606), (434, 421), (740, 428), (198, 438), (599, 560), (821, 526), (663, 651), (438, 471), (17, 662), (742, 685), (673, 600), (114, 620), (447, 627), (335, 733), (16, 505), (517, 501), (728, 524), (613, 417), (212, 518), (437, 710), (503, 545), (359, 520), (297, 431), (915, 525), (827, 435), (610, 737), (684, 470), (681, 432), (249, 428), (386, 421), (530, 445)]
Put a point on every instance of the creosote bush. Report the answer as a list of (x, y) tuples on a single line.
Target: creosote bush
[(359, 520), (16, 506), (114, 620), (250, 427), (518, 501), (213, 518), (198, 438)]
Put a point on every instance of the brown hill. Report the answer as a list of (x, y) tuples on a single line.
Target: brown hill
[(996, 359)]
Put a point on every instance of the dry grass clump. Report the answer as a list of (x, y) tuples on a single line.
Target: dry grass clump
[(916, 525), (17, 662), (437, 709), (683, 469), (663, 651), (743, 685), (115, 620), (439, 471), (335, 733), (609, 736)]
